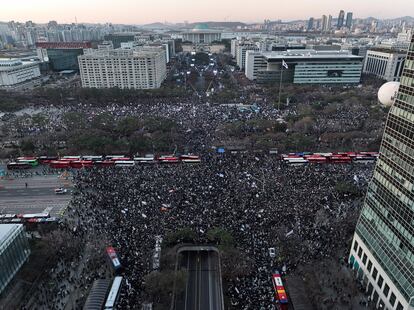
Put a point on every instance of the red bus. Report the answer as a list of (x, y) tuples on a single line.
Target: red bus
[(59, 164), (190, 159), (338, 159), (77, 164), (280, 292), (169, 159), (316, 159), (47, 159), (104, 163), (113, 257)]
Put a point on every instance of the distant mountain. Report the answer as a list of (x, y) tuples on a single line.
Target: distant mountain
[(156, 26), (218, 24), (408, 19), (192, 25)]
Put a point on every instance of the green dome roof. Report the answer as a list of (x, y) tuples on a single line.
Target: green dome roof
[(201, 27)]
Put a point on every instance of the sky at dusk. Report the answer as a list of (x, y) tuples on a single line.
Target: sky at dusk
[(148, 11)]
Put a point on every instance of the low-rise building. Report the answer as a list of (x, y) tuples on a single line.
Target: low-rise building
[(61, 55), (123, 68), (15, 72), (384, 63), (14, 251), (304, 67)]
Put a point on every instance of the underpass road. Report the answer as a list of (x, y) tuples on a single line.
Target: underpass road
[(203, 291)]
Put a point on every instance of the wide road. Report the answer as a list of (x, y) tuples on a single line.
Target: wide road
[(38, 197), (203, 289)]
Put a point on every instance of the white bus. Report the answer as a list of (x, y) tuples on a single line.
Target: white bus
[(124, 163), (299, 161), (113, 294)]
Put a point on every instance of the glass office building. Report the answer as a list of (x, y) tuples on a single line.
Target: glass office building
[(14, 251), (382, 250)]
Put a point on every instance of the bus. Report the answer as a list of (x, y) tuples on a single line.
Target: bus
[(104, 163), (47, 159), (338, 159), (28, 160), (18, 166), (316, 159), (113, 257), (295, 161), (124, 163), (364, 159), (113, 294), (77, 164), (280, 292), (190, 159), (33, 215), (60, 164), (168, 159), (70, 158), (111, 157), (144, 160), (92, 157)]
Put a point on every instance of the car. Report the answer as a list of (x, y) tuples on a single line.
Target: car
[(60, 191), (272, 252)]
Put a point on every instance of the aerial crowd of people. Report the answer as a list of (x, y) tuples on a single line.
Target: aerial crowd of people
[(256, 198)]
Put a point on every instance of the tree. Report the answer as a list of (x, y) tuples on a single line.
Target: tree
[(346, 188), (27, 147), (183, 235), (74, 120), (160, 285), (221, 237)]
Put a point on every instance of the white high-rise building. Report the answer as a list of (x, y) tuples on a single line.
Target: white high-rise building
[(255, 61), (241, 53), (123, 68)]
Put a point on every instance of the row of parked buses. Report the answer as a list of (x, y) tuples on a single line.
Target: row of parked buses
[(27, 218), (299, 159), (78, 162)]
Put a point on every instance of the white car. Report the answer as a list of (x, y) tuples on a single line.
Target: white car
[(60, 191), (272, 252)]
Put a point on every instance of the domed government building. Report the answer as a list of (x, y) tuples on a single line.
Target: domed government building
[(202, 34)]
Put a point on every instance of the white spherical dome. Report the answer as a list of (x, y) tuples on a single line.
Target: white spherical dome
[(387, 93)]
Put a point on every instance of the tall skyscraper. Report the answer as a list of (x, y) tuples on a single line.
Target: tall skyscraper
[(348, 22), (382, 250), (324, 23), (310, 23), (341, 18), (329, 22)]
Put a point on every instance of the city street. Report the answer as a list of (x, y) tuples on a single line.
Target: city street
[(38, 197)]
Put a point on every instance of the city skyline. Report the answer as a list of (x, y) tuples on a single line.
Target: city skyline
[(119, 12)]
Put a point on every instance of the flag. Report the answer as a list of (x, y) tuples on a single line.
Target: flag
[(284, 64)]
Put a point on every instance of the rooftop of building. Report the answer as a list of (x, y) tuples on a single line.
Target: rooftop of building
[(7, 63), (7, 230), (310, 54), (121, 52), (387, 50)]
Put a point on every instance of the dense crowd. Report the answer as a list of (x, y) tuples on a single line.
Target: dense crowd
[(257, 199)]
